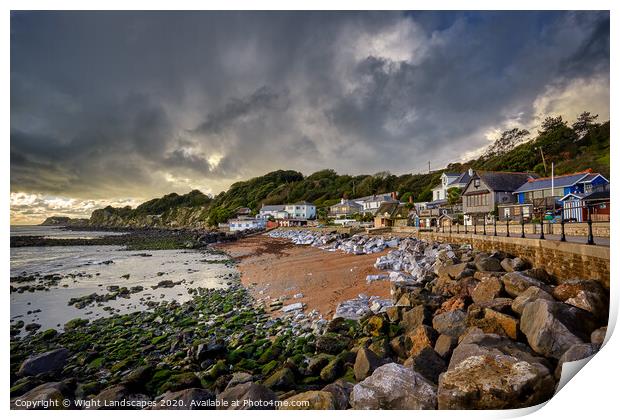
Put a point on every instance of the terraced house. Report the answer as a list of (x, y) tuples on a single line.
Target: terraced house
[(345, 208), (486, 190), (536, 196)]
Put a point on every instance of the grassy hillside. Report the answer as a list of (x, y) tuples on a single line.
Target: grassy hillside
[(569, 148)]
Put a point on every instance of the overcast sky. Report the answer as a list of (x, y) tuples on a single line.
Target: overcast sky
[(119, 107)]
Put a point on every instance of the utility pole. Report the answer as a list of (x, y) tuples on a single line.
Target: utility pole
[(543, 159), (553, 188)]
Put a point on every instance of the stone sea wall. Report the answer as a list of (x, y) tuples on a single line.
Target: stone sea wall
[(564, 260)]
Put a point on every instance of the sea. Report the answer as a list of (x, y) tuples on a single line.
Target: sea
[(93, 269)]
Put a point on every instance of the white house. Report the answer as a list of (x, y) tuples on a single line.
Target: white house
[(371, 203), (272, 211), (301, 210), (236, 225), (451, 180)]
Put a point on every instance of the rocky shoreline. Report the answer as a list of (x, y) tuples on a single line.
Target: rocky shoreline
[(463, 330), (136, 239)]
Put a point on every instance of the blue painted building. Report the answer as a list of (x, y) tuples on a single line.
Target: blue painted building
[(540, 190)]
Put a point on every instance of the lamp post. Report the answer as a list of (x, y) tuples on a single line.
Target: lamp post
[(590, 235)]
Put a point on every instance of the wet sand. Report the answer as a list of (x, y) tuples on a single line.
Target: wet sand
[(273, 267)]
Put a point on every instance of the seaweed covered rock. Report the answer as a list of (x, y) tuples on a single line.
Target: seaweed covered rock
[(247, 396), (47, 395), (310, 400), (50, 361), (186, 399)]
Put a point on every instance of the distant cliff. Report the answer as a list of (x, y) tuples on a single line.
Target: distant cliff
[(64, 221)]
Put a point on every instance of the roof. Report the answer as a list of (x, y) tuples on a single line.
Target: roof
[(452, 173), (373, 197), (598, 195), (346, 203), (462, 179), (504, 181), (558, 181), (393, 209), (437, 202), (302, 203), (274, 207)]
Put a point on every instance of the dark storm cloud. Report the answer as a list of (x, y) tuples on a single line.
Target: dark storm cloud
[(110, 104)]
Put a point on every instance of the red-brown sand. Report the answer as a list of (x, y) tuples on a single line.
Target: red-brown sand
[(280, 268)]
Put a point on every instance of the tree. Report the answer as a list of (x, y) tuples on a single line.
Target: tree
[(454, 195), (585, 121), (552, 124), (507, 141)]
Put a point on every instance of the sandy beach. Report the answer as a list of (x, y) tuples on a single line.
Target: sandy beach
[(274, 267)]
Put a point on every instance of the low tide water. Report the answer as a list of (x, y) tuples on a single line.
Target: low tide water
[(92, 269)]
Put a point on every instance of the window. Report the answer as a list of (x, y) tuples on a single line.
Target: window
[(477, 182)]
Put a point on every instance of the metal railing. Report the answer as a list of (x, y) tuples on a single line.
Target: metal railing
[(580, 221)]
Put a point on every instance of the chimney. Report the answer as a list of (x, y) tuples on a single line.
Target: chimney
[(411, 199), (470, 171), (342, 200)]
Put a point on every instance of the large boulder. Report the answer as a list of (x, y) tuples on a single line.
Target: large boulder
[(413, 318), (539, 274), (493, 383), (598, 336), (475, 343), (239, 378), (531, 294), (516, 283), (457, 271), (281, 379), (50, 361), (366, 362), (574, 353), (588, 295), (487, 290), (427, 363), (331, 343), (552, 328), (310, 400), (444, 345), (451, 323), (409, 295), (513, 264), (393, 386), (119, 397), (49, 395), (422, 337), (341, 391), (186, 399), (491, 321), (247, 396), (488, 264)]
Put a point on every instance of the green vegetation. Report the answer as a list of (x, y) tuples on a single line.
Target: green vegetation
[(583, 145)]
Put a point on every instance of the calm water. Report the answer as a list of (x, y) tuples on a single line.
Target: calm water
[(57, 232), (92, 275)]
